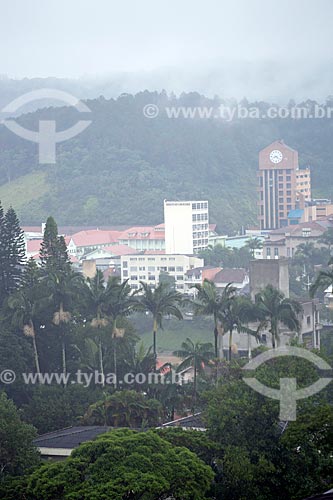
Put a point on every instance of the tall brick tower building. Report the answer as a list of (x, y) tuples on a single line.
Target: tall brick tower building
[(278, 164)]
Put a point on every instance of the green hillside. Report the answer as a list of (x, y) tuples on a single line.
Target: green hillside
[(25, 189), (122, 167)]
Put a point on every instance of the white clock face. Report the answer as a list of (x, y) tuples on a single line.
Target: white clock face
[(275, 156)]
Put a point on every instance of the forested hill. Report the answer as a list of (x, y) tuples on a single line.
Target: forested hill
[(119, 170)]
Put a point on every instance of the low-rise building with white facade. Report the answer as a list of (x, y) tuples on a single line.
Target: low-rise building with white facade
[(147, 267), (143, 237)]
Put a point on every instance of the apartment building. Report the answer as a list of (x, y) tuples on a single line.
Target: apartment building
[(186, 226), (149, 266), (303, 185)]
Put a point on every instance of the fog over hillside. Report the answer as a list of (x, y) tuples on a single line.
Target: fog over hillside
[(253, 80)]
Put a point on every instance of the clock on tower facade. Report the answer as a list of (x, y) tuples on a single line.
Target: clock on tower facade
[(278, 164)]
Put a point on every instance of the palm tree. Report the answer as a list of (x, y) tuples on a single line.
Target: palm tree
[(160, 302), (197, 356), (26, 303), (239, 311), (209, 302), (97, 301), (254, 244), (140, 360), (121, 303), (25, 307), (323, 280), (62, 288), (274, 308)]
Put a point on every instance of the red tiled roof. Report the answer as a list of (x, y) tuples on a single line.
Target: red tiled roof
[(33, 246), (292, 228), (32, 229), (142, 232), (120, 250), (94, 237), (209, 274), (230, 275)]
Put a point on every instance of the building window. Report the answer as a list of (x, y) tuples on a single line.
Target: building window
[(179, 269), (306, 232), (308, 320), (268, 251), (133, 268), (125, 264), (276, 252), (125, 274), (280, 200), (134, 277)]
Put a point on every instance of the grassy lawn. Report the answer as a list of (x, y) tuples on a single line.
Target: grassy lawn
[(22, 190), (174, 332)]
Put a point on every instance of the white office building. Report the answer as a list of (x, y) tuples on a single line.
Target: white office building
[(186, 226), (148, 267)]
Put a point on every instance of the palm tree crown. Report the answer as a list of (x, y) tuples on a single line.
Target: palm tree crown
[(196, 355), (160, 302), (274, 308), (210, 302)]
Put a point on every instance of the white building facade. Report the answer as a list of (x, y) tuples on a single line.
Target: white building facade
[(186, 226), (148, 267)]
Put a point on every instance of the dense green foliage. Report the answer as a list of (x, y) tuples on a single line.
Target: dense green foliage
[(124, 464), (12, 252), (17, 453), (124, 156), (260, 458)]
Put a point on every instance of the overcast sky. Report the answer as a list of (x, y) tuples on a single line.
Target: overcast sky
[(75, 38)]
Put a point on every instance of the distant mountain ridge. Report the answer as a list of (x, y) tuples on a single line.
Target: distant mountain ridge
[(121, 168)]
